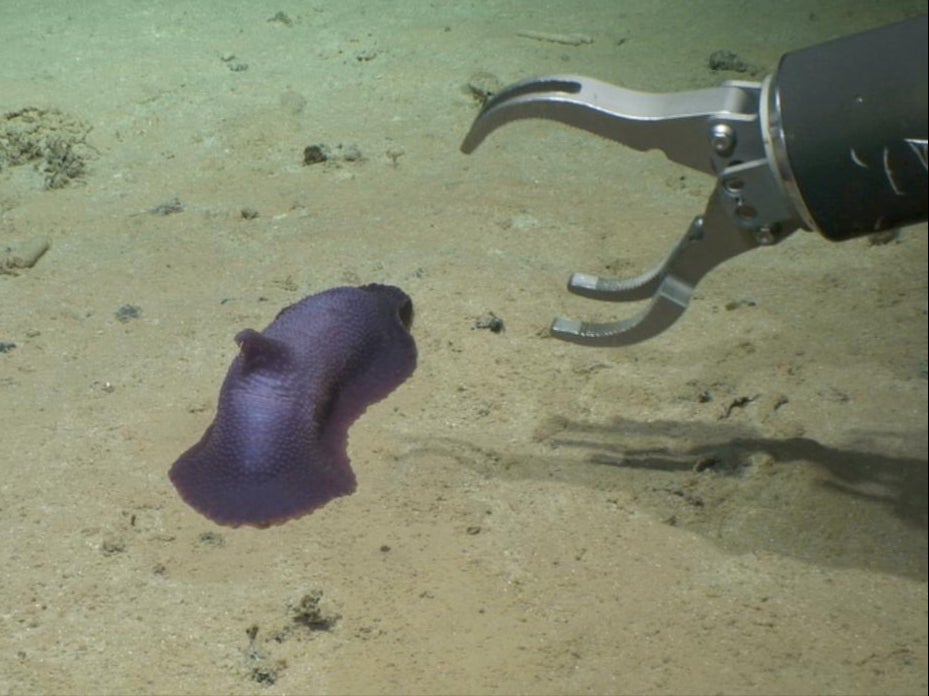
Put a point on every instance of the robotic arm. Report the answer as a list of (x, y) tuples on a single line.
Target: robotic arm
[(833, 141)]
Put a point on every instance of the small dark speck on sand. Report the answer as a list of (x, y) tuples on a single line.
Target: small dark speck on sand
[(724, 59), (314, 154), (127, 312), (213, 539), (168, 207), (307, 613)]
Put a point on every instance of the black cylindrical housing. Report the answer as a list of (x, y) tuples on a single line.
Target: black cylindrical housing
[(854, 118)]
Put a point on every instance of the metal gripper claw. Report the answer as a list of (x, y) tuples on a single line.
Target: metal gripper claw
[(706, 130), (833, 141)]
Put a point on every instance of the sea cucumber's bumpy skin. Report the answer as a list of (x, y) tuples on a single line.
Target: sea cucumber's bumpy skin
[(277, 447)]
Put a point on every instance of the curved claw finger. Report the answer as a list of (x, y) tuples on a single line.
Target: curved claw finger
[(520, 100), (617, 289), (669, 304)]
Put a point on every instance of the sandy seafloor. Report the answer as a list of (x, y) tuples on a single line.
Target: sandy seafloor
[(528, 517)]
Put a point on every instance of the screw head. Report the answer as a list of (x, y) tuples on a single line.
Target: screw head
[(764, 236), (723, 139)]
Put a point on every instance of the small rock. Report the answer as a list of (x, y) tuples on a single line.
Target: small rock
[(490, 322)]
